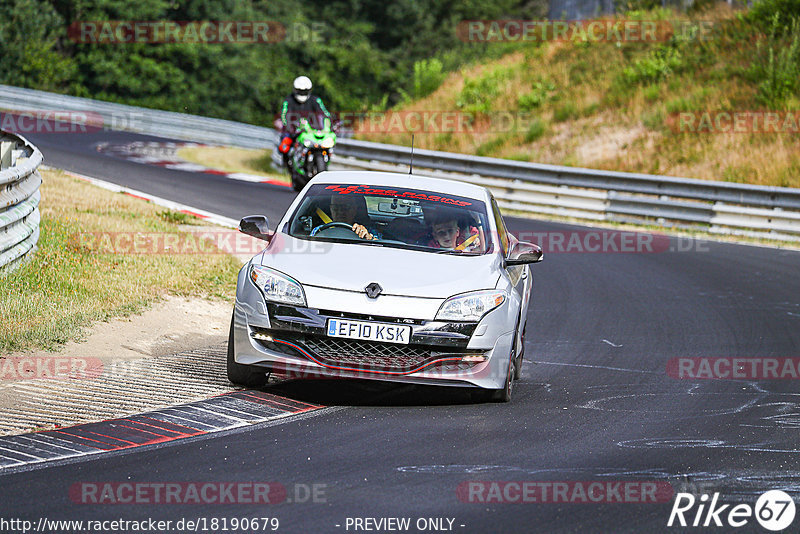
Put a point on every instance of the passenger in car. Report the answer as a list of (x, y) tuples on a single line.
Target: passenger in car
[(446, 233)]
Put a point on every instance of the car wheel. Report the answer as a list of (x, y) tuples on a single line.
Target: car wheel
[(244, 375), (521, 353), (504, 394)]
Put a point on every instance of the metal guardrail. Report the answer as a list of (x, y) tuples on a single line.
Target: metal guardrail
[(664, 202), (108, 115), (587, 194), (19, 199)]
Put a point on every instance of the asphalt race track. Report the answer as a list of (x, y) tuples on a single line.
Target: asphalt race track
[(595, 404)]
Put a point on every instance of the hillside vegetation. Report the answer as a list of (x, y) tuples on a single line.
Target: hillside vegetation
[(607, 104), (359, 53), (618, 105)]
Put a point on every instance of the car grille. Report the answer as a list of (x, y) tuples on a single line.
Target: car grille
[(370, 355), (367, 355)]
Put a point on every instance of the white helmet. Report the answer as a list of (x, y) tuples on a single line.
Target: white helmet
[(302, 88)]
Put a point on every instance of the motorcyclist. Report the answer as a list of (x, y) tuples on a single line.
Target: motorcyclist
[(301, 104)]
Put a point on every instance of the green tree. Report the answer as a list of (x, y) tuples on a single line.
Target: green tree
[(29, 46)]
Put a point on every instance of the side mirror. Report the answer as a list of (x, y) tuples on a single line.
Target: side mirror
[(524, 253), (256, 226)]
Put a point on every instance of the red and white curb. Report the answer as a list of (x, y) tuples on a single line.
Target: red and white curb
[(164, 154), (223, 412)]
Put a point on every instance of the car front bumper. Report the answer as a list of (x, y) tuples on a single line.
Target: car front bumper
[(293, 341)]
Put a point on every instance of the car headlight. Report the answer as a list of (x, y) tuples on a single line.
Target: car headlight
[(327, 143), (277, 287), (470, 306)]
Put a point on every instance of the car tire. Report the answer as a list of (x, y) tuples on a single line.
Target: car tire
[(504, 394), (521, 353), (244, 375)]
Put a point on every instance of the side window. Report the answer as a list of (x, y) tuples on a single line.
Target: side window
[(501, 227)]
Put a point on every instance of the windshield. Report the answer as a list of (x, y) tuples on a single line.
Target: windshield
[(393, 217)]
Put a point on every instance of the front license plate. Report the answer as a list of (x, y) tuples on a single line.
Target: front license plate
[(387, 333)]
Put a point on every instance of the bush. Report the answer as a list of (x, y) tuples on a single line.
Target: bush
[(565, 112), (764, 13), (537, 129), (656, 66), (653, 120), (30, 31), (428, 76), (491, 146), (476, 96), (679, 104), (590, 110), (539, 94), (580, 71), (779, 75), (624, 6), (652, 93)]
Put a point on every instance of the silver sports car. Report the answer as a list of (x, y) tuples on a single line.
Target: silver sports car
[(384, 276)]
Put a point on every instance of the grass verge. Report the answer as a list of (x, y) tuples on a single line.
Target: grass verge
[(50, 299)]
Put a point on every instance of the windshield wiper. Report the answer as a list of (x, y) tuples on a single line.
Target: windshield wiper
[(453, 251)]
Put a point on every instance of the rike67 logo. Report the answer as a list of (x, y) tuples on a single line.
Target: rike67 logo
[(774, 510)]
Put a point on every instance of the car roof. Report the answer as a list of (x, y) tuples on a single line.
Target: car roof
[(407, 181)]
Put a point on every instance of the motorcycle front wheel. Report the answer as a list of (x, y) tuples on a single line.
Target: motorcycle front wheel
[(320, 164), (299, 181)]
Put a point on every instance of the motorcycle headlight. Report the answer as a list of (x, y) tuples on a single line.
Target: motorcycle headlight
[(327, 143), (277, 287), (470, 306), (307, 142)]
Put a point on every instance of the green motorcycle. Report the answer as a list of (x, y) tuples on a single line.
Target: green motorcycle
[(310, 154)]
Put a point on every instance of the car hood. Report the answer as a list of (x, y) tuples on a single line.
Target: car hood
[(405, 273)]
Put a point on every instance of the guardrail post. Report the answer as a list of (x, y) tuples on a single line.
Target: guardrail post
[(6, 146)]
